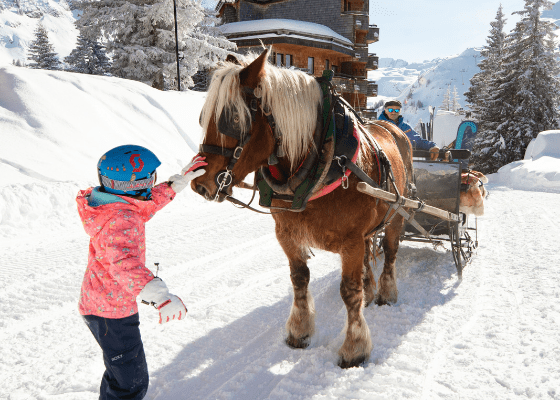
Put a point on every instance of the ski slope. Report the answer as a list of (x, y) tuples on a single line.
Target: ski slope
[(493, 335)]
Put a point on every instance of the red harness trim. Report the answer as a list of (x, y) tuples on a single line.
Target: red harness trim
[(329, 188)]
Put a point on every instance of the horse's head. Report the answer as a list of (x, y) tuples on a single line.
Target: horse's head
[(251, 110), (237, 138)]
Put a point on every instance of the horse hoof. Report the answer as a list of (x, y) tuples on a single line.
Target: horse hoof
[(381, 302), (300, 343), (357, 362)]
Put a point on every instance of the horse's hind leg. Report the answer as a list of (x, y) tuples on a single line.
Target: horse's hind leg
[(369, 280), (301, 322), (357, 344), (387, 292)]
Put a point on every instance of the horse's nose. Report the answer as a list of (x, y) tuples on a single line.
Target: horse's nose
[(201, 190)]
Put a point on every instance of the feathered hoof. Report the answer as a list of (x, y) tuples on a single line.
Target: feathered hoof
[(381, 302), (357, 362), (300, 343)]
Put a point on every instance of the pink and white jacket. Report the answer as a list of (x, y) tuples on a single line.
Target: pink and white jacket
[(116, 270)]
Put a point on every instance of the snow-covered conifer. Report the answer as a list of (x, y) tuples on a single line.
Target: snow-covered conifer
[(533, 55), (140, 37), (89, 57), (455, 100), (446, 103), (523, 91), (41, 51), (490, 63)]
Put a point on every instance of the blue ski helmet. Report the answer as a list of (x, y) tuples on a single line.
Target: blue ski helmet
[(128, 170)]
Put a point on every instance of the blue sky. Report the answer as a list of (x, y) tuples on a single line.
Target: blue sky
[(418, 30)]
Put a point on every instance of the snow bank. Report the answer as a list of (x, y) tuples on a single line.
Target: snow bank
[(540, 170), (55, 125), (546, 143)]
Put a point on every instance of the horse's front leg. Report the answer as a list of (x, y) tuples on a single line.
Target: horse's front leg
[(387, 292), (357, 344), (301, 322)]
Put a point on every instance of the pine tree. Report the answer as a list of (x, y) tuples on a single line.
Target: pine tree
[(41, 51), (488, 99), (446, 103), (140, 35), (523, 91), (455, 100), (89, 57), (535, 82), (491, 59)]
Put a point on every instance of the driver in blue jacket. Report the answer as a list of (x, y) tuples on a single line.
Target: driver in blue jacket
[(391, 113)]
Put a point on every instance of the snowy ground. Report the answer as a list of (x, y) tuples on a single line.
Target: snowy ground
[(493, 335)]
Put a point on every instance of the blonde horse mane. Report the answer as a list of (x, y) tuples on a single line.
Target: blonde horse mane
[(291, 95)]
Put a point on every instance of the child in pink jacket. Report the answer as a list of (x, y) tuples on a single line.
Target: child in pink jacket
[(114, 215)]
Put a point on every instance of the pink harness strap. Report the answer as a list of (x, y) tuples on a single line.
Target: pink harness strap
[(329, 188)]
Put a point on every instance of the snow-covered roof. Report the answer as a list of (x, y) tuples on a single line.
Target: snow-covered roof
[(284, 27)]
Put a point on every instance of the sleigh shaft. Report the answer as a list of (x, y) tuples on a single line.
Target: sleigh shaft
[(408, 203)]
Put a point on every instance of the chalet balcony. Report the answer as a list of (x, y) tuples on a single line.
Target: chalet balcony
[(371, 89), (372, 62), (373, 34), (361, 22), (360, 53), (343, 84), (361, 86), (352, 69), (356, 7)]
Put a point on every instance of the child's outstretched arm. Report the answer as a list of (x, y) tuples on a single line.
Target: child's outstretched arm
[(170, 307)]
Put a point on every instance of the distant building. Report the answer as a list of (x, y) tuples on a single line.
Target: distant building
[(311, 35)]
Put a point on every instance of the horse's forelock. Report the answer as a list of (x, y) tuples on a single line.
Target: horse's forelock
[(225, 93)]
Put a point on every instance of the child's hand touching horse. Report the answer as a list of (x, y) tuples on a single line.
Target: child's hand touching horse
[(191, 171)]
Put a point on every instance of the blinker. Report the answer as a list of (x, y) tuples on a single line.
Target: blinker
[(228, 124)]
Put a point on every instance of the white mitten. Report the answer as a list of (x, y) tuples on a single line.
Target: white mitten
[(170, 307), (191, 171)]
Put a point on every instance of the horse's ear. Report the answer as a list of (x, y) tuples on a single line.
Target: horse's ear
[(232, 59), (251, 75)]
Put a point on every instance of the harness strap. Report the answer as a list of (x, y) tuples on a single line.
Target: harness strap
[(346, 163), (204, 148)]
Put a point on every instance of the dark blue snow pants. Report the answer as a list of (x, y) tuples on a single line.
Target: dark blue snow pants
[(126, 373)]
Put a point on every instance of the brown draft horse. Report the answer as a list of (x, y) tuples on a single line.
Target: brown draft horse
[(337, 222)]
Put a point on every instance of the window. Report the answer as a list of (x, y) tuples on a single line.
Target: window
[(327, 64), (279, 59), (288, 60), (311, 65)]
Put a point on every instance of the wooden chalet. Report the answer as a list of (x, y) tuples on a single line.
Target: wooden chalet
[(311, 35)]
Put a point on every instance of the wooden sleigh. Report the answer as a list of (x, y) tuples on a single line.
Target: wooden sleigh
[(434, 213)]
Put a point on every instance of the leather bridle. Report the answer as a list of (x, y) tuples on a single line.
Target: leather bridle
[(229, 125)]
